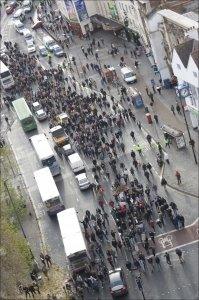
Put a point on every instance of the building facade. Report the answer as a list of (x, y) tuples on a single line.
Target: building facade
[(185, 65)]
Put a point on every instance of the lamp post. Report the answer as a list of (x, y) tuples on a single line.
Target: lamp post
[(184, 92), (17, 216)]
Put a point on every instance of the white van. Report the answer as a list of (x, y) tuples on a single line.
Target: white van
[(49, 42), (27, 6), (28, 36), (128, 75), (19, 15), (76, 163), (19, 26)]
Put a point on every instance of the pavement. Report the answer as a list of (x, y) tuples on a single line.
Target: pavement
[(177, 283)]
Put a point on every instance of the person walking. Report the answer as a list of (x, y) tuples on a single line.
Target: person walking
[(173, 109), (168, 260), (147, 90), (151, 97), (157, 261), (166, 158), (159, 88), (114, 244), (156, 119), (179, 254), (178, 109), (178, 176), (139, 149), (152, 236), (42, 257), (149, 138), (45, 271), (48, 260), (151, 263), (132, 134)]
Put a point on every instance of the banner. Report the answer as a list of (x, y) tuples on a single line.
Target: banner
[(81, 9), (72, 15), (112, 9)]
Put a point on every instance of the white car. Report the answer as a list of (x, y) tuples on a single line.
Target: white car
[(83, 181), (27, 6), (41, 115), (31, 47), (58, 51)]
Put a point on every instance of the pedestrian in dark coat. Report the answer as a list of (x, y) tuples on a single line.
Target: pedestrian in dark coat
[(48, 260), (42, 257)]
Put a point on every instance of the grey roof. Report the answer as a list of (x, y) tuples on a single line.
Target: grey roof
[(185, 49), (195, 56)]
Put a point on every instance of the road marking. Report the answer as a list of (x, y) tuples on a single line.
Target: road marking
[(183, 245), (166, 241)]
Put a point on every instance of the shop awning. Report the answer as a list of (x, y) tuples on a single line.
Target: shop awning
[(110, 24)]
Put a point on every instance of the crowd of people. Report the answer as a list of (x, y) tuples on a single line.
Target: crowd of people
[(95, 126)]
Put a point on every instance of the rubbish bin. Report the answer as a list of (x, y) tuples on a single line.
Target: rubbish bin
[(149, 119)]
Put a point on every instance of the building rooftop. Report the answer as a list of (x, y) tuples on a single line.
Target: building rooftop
[(195, 56), (178, 19), (186, 49), (192, 15)]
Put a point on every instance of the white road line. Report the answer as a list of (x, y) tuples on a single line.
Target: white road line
[(183, 245)]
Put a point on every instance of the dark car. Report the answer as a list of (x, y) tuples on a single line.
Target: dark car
[(10, 7), (118, 286)]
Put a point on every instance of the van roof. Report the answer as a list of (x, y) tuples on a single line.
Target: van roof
[(126, 69), (74, 157)]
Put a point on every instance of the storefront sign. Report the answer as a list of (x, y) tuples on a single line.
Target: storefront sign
[(112, 10)]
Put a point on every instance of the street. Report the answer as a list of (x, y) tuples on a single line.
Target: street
[(178, 282)]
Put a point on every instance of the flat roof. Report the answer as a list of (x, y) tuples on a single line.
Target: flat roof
[(46, 184), (71, 231), (41, 146), (178, 19)]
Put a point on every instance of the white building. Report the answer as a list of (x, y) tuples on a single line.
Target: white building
[(185, 64)]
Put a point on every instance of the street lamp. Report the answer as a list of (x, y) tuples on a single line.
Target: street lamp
[(184, 92), (17, 216)]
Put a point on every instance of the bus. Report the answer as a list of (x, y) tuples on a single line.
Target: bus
[(45, 154), (73, 240), (24, 115), (48, 191), (7, 80)]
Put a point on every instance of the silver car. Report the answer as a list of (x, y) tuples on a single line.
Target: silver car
[(83, 181), (41, 115)]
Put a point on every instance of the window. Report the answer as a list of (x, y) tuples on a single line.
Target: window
[(179, 67), (195, 74)]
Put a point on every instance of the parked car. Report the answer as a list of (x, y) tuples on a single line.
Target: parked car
[(36, 106), (43, 51), (19, 15), (19, 26), (67, 150), (31, 47), (83, 181), (11, 7), (27, 6), (58, 51), (118, 286), (41, 115)]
